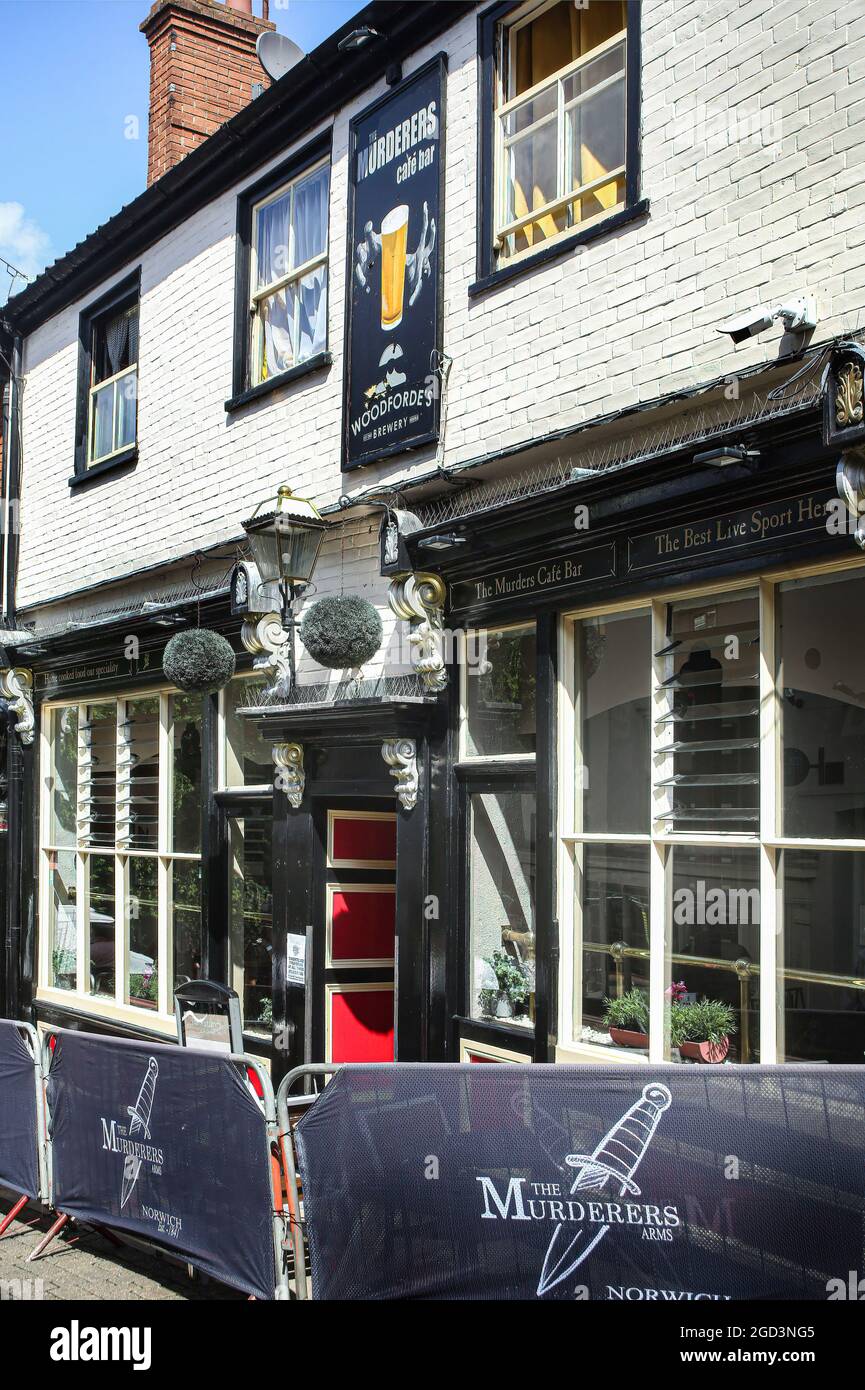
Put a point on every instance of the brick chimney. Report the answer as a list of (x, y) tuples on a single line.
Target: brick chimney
[(203, 69)]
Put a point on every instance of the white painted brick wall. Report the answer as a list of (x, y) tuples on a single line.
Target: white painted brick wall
[(732, 222)]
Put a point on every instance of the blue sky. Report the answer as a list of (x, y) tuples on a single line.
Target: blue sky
[(71, 73)]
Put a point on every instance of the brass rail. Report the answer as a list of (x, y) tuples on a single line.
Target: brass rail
[(745, 970)]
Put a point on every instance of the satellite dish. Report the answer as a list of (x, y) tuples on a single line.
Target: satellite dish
[(277, 54)]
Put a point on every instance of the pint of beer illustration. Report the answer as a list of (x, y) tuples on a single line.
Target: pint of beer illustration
[(394, 232)]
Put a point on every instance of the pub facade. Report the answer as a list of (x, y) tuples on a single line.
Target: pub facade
[(592, 756)]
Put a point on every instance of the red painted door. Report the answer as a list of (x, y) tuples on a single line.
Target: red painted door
[(360, 927)]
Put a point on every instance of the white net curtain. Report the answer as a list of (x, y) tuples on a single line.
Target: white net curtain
[(291, 231)]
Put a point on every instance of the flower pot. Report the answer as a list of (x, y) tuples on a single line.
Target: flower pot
[(504, 1007), (624, 1037), (705, 1051)]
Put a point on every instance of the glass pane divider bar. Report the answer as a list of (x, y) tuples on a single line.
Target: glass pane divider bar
[(165, 837), (555, 204), (661, 764), (771, 944)]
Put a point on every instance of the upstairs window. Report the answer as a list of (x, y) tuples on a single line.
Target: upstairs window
[(280, 326), (113, 384), (106, 433), (560, 127), (288, 301)]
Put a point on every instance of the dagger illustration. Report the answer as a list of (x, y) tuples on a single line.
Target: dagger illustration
[(139, 1123), (614, 1161)]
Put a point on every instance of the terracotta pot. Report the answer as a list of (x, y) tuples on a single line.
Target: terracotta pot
[(625, 1038), (705, 1051)]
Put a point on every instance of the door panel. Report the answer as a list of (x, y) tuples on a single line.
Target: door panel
[(359, 913), (359, 1022)]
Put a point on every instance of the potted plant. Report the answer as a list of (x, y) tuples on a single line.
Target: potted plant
[(628, 1019), (701, 1031), (512, 987)]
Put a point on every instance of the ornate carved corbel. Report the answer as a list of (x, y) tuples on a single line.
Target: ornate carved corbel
[(290, 778), (400, 754), (16, 686), (419, 600), (269, 643)]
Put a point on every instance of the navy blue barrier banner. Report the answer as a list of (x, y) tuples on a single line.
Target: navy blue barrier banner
[(168, 1143), (622, 1184), (19, 1113)]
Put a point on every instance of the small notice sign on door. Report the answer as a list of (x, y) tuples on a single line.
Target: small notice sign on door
[(295, 967)]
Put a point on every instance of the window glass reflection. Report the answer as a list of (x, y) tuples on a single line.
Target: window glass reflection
[(822, 681)]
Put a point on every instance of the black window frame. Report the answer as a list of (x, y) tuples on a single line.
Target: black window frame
[(123, 295), (242, 392), (488, 272)]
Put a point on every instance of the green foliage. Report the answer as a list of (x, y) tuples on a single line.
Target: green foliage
[(510, 975), (342, 632), (630, 1012), (265, 1013), (706, 1021), (198, 660), (144, 988)]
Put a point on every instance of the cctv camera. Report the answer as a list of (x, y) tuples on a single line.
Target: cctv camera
[(748, 325), (797, 316)]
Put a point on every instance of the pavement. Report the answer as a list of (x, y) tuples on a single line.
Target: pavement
[(86, 1266)]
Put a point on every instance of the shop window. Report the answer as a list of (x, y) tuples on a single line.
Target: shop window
[(246, 756), (502, 906), (499, 692), (713, 827), (614, 705), (282, 273), (120, 854), (251, 939), (107, 421), (823, 982), (822, 684), (560, 146)]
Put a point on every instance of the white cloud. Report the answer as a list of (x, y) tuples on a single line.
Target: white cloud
[(23, 242)]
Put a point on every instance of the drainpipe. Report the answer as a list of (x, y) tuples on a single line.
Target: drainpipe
[(11, 464)]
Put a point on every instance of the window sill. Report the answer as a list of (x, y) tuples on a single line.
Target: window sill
[(559, 248), (116, 464), (264, 388), (107, 1010), (580, 1052)]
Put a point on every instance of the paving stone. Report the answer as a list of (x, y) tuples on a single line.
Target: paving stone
[(86, 1266)]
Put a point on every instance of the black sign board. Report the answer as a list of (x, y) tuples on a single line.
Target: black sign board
[(745, 529), (538, 577), (394, 260)]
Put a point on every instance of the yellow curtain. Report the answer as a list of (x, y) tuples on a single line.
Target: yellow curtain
[(552, 41)]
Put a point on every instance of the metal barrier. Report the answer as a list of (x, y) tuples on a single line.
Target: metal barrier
[(23, 1129), (199, 1149), (612, 1183), (285, 1105)]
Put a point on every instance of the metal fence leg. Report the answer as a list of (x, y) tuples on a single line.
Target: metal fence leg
[(47, 1239), (10, 1216)]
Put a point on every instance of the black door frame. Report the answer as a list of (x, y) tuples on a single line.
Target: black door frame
[(342, 756)]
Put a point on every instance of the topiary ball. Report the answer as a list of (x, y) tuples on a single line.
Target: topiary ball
[(198, 660), (342, 632)]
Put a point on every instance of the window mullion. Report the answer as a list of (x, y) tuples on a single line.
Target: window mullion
[(771, 945), (661, 761), (163, 873), (122, 794), (82, 837)]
